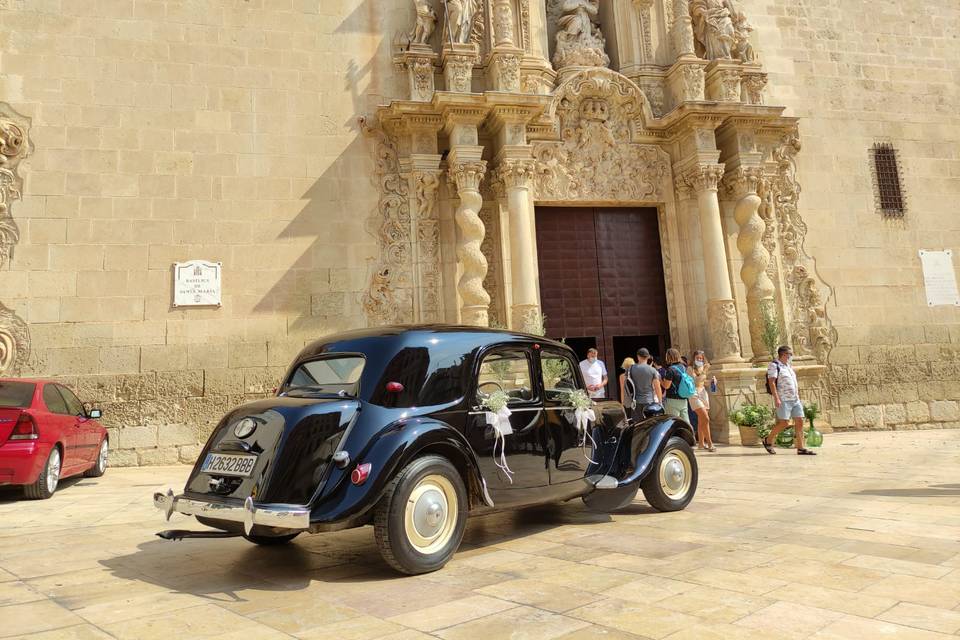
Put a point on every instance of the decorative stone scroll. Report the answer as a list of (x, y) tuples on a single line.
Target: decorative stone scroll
[(813, 333), (598, 112), (388, 299), (14, 148)]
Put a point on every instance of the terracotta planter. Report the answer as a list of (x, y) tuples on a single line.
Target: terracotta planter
[(748, 436)]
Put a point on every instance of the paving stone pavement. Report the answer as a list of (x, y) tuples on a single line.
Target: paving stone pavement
[(861, 542)]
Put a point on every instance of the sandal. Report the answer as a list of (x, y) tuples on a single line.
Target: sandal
[(805, 452), (768, 447), (712, 449)]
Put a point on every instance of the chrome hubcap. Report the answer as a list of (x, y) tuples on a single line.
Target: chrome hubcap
[(675, 475), (53, 471), (102, 460), (431, 514)]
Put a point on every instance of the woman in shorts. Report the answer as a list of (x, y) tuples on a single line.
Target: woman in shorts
[(700, 401)]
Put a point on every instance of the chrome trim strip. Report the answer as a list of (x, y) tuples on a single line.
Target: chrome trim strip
[(525, 409), (293, 517)]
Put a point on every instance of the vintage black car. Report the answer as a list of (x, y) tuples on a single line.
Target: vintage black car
[(394, 427)]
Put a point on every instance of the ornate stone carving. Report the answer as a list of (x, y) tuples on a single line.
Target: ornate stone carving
[(753, 86), (812, 332), (458, 63), (724, 334), (14, 147), (525, 24), (426, 22), (721, 30), (595, 159), (728, 86), (388, 299), (503, 23), (580, 43), (508, 72), (428, 245), (692, 81), (744, 183), (646, 37), (474, 298), (461, 16), (703, 178), (516, 173), (653, 89)]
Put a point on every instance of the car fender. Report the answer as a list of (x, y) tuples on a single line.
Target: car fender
[(389, 452), (640, 445)]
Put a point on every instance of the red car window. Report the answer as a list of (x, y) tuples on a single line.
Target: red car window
[(17, 395), (74, 406), (54, 401)]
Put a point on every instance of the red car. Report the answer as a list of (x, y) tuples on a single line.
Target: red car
[(46, 434)]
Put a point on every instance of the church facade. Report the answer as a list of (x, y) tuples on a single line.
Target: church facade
[(705, 174)]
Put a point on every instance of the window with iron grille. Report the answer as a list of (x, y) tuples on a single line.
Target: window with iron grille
[(886, 176)]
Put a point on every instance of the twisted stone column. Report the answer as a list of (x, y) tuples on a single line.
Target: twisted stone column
[(721, 310), (517, 178), (474, 300), (744, 184)]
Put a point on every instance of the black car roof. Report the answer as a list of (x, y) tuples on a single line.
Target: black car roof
[(393, 338)]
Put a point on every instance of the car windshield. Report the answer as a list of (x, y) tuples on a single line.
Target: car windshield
[(336, 375), (16, 394)]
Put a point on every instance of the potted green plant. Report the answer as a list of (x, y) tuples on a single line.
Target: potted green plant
[(813, 437), (754, 422)]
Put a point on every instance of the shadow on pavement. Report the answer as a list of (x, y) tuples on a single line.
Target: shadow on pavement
[(12, 493), (932, 491)]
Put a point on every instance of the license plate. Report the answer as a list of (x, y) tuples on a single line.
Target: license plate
[(221, 464)]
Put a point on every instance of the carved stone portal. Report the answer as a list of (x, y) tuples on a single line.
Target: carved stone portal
[(14, 147), (595, 159)]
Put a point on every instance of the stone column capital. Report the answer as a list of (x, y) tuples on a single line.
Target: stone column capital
[(743, 181), (516, 173), (468, 174), (703, 177)]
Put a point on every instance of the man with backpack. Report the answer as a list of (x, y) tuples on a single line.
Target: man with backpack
[(642, 383), (679, 386), (782, 385)]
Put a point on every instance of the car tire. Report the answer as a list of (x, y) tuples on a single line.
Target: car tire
[(270, 541), (49, 478), (672, 481), (100, 466), (420, 520)]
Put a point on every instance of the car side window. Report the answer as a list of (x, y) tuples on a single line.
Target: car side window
[(559, 375), (74, 406), (507, 371), (54, 401)]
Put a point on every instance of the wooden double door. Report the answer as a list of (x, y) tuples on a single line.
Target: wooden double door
[(601, 282)]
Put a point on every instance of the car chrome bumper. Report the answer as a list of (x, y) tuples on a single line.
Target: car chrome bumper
[(294, 518)]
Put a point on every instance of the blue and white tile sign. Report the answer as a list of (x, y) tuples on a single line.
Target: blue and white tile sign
[(197, 284)]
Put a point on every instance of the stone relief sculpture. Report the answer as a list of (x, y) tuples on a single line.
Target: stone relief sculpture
[(426, 22), (597, 112), (461, 15), (389, 298), (721, 30), (580, 43), (14, 147), (503, 23)]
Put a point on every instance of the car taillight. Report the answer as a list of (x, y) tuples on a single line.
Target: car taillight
[(25, 429)]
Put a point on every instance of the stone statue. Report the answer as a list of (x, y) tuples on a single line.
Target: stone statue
[(579, 39), (741, 42), (713, 27), (460, 17), (426, 22)]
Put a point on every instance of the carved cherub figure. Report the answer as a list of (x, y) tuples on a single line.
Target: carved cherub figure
[(426, 22)]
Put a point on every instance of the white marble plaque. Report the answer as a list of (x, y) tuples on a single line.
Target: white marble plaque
[(197, 284), (939, 278)]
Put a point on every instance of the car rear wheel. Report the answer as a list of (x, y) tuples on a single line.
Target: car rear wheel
[(49, 478), (100, 466), (420, 519), (672, 481)]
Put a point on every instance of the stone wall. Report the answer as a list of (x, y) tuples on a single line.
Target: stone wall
[(858, 73), (184, 129)]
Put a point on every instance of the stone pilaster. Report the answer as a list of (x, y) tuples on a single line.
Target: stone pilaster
[(686, 80), (417, 63), (516, 176), (703, 180), (458, 62), (428, 285), (723, 81), (744, 183), (466, 172)]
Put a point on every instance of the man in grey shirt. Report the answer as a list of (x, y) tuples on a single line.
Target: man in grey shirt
[(646, 383)]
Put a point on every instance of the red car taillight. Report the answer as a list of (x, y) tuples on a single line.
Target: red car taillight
[(25, 429)]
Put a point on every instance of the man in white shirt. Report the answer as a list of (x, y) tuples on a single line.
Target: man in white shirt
[(782, 382), (594, 374)]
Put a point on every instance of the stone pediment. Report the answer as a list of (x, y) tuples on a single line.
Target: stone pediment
[(596, 115)]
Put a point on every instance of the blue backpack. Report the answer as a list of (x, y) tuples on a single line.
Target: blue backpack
[(686, 387)]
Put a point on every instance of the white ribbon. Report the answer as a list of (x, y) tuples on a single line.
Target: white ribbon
[(584, 417), (500, 421)]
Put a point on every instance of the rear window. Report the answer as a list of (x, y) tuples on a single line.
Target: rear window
[(16, 394), (327, 375)]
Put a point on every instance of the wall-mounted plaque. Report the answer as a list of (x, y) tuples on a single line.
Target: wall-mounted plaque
[(197, 284), (939, 278)]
